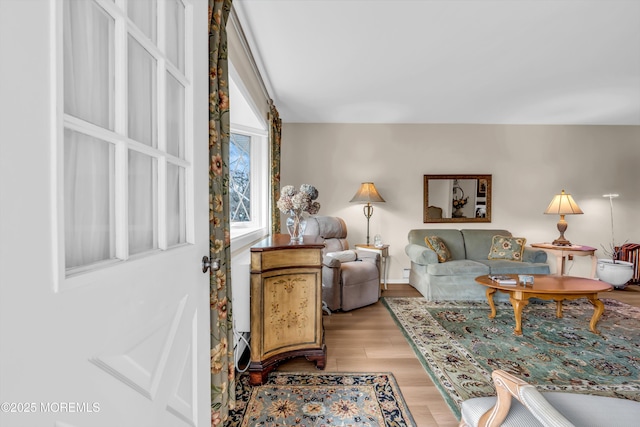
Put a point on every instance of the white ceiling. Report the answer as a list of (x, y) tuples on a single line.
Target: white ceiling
[(448, 61)]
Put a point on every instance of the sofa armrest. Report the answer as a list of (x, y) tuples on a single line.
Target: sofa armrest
[(534, 255), (421, 254)]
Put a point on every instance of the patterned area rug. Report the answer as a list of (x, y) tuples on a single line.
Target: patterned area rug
[(322, 400), (459, 346)]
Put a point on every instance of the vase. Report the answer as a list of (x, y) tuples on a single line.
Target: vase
[(296, 224), (457, 213), (616, 274)]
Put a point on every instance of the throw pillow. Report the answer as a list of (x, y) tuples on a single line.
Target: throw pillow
[(436, 244), (343, 256), (506, 247)]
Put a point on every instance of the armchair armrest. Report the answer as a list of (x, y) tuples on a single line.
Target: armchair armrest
[(331, 262), (507, 386), (370, 256), (421, 254)]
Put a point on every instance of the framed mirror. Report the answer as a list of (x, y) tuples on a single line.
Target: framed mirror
[(457, 198)]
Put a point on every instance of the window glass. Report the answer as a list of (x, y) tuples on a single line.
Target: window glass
[(88, 63), (88, 199), (175, 117), (144, 14), (142, 203), (175, 33), (176, 230), (240, 177), (141, 96)]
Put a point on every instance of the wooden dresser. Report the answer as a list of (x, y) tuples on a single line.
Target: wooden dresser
[(286, 303)]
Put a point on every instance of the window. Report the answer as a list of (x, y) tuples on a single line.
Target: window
[(126, 152), (240, 177), (248, 170)]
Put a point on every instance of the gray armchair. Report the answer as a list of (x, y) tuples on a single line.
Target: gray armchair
[(350, 279), (529, 407)]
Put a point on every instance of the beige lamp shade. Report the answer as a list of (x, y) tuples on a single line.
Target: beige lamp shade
[(368, 194), (563, 204)]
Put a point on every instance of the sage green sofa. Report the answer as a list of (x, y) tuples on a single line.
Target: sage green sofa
[(455, 279)]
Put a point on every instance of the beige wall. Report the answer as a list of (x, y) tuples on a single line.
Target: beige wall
[(529, 164)]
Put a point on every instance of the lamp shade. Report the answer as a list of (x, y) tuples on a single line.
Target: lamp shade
[(367, 193), (563, 204)]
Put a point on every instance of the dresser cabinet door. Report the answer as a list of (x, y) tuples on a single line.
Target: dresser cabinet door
[(290, 311)]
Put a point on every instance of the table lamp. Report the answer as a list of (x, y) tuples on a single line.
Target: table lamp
[(563, 204), (368, 194)]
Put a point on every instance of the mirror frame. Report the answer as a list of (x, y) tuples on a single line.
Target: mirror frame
[(425, 205)]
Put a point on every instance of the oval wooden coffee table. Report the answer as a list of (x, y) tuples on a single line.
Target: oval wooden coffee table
[(547, 287)]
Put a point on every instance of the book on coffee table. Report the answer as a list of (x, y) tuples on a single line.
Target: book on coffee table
[(503, 280)]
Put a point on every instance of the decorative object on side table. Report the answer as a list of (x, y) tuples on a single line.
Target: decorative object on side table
[(367, 193), (613, 270), (296, 203), (562, 204)]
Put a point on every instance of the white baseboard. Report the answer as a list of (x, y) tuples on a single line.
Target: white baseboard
[(398, 281)]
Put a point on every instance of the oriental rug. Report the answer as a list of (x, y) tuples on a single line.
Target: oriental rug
[(321, 400), (459, 346)]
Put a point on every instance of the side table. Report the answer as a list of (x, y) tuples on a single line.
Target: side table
[(562, 252), (384, 255)]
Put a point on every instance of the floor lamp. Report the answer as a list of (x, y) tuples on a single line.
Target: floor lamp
[(368, 194)]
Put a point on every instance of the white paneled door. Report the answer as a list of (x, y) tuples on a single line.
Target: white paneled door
[(104, 308)]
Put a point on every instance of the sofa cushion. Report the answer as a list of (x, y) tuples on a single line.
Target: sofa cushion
[(504, 266), (437, 245), (477, 242), (507, 247), (463, 267), (452, 238)]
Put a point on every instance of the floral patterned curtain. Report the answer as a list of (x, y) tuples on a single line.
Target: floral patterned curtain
[(222, 361), (275, 131)]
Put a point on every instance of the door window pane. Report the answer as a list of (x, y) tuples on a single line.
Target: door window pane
[(113, 207), (176, 216), (88, 199), (88, 63), (144, 14), (175, 33), (143, 203), (175, 117), (142, 98)]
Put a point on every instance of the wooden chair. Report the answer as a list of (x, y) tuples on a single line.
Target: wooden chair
[(549, 409), (434, 212)]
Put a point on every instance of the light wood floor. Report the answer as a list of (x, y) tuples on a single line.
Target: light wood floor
[(368, 340)]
